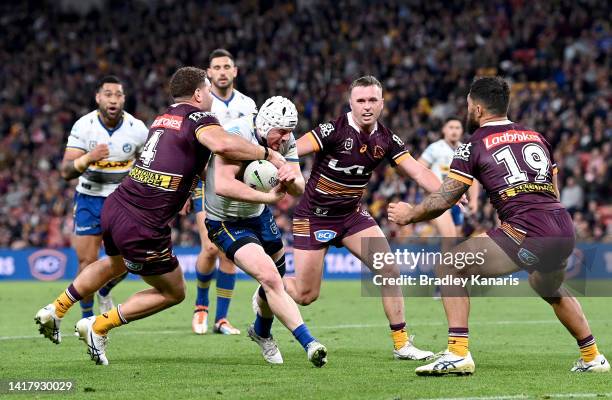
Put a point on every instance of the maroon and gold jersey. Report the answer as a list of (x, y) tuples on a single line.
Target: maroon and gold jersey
[(514, 164), (343, 165), (169, 166)]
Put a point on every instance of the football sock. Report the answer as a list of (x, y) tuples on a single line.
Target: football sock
[(107, 321), (110, 285), (66, 300), (458, 341), (203, 286), (588, 348), (225, 290), (86, 308), (302, 334), (263, 326), (399, 334)]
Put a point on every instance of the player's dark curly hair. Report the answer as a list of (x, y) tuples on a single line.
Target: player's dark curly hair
[(493, 92), (185, 81), (107, 79)]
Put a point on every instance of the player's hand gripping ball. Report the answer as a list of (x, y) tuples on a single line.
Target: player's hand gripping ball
[(261, 175)]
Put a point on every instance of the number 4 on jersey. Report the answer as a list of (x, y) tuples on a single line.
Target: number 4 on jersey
[(534, 156), (149, 150)]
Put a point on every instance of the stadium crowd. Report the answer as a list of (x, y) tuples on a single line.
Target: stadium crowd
[(557, 54)]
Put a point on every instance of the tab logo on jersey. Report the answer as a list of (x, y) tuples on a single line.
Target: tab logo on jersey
[(168, 121), (196, 116), (509, 137), (463, 152), (156, 179), (324, 235)]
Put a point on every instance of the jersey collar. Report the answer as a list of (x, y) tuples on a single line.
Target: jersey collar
[(111, 130), (495, 123), (352, 123), (226, 102)]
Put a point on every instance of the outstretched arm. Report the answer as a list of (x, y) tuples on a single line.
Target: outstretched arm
[(432, 206), (422, 175)]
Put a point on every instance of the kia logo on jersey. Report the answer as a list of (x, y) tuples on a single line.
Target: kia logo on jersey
[(324, 235)]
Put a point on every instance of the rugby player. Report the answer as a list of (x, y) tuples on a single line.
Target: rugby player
[(347, 150), (228, 104), (515, 166), (244, 229), (136, 216), (101, 149)]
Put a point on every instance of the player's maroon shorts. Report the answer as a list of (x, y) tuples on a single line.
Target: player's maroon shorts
[(313, 232), (537, 240), (145, 251)]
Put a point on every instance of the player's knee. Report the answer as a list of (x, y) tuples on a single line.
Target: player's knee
[(210, 250), (271, 280), (307, 297)]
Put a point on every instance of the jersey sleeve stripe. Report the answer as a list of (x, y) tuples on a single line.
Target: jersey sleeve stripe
[(466, 175), (401, 157), (204, 128), (76, 147), (316, 142), (460, 178), (293, 160)]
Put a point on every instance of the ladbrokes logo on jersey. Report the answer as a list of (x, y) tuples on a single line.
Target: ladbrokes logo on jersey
[(509, 137), (168, 121)]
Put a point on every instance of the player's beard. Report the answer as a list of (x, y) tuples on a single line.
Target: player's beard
[(471, 123), (107, 116)]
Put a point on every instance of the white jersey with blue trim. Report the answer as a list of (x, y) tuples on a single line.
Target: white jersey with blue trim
[(237, 106), (124, 142), (220, 208), (439, 156)]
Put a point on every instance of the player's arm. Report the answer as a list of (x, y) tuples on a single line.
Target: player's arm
[(76, 160), (227, 185), (234, 147), (307, 144), (418, 172), (432, 206), (473, 194), (291, 177)]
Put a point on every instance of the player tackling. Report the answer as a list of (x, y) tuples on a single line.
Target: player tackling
[(136, 216), (515, 166), (347, 150)]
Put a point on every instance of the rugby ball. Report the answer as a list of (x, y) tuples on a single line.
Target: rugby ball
[(261, 175)]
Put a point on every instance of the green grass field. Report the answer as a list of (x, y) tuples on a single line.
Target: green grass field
[(519, 349)]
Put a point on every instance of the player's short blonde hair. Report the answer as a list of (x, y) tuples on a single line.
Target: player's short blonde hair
[(366, 80)]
